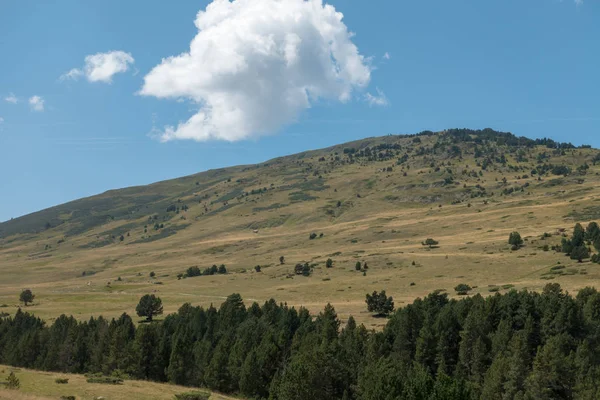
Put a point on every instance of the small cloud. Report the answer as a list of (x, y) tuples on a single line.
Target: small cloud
[(1, 120), (377, 100), (387, 56), (101, 67), (11, 98), (73, 75), (36, 103)]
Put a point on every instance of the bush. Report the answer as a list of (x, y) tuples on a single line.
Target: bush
[(12, 382), (462, 289), (196, 395), (312, 236), (430, 242), (108, 380), (62, 381), (68, 398), (257, 268), (193, 271), (329, 263)]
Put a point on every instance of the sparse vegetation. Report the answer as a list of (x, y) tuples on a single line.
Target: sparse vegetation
[(462, 289)]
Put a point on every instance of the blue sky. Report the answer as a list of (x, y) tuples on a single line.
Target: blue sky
[(529, 67)]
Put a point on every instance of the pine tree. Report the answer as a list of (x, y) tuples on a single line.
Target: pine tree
[(12, 382), (552, 376), (181, 360)]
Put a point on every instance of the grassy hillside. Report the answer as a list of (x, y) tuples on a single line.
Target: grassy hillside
[(374, 200), (36, 385)]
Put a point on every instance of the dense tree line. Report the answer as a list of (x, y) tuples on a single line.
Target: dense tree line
[(520, 345)]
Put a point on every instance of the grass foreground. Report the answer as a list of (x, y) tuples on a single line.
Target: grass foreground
[(39, 385)]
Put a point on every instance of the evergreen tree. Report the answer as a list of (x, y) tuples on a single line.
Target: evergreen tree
[(380, 303), (26, 297), (149, 306)]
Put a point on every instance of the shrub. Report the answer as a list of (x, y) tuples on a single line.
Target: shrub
[(358, 266), (462, 289), (12, 382), (193, 271), (257, 268), (62, 381), (108, 380), (68, 398), (312, 236), (152, 274), (195, 395), (430, 242), (329, 263)]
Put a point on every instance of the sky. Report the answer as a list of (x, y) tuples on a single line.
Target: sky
[(103, 95)]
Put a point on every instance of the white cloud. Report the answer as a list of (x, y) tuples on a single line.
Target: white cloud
[(1, 120), (387, 56), (11, 98), (36, 103), (73, 74), (101, 67), (255, 65), (377, 100)]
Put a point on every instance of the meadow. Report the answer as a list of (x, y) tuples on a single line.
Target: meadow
[(94, 256)]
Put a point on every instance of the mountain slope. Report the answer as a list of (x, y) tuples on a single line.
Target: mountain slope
[(374, 200)]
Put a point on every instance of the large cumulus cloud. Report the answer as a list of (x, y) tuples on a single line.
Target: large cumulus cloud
[(255, 65)]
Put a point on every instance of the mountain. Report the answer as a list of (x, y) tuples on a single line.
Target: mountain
[(374, 200)]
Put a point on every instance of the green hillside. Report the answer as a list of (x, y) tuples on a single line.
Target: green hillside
[(373, 200)]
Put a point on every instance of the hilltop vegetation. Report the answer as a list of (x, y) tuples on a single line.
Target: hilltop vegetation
[(424, 212)]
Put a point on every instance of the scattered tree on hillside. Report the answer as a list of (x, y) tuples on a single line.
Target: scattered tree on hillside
[(358, 266), (329, 263), (282, 260), (222, 269), (152, 274), (306, 270), (379, 303), (193, 271), (515, 240), (430, 242), (149, 306), (580, 253), (462, 289), (257, 268), (12, 382), (26, 297), (312, 236)]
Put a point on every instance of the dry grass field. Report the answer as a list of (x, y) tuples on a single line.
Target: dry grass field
[(369, 210), (36, 385)]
